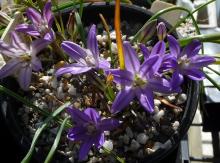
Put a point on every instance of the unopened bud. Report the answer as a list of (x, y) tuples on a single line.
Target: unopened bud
[(161, 31)]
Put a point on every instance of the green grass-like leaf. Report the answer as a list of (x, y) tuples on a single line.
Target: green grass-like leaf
[(212, 81), (56, 142), (39, 131), (80, 27)]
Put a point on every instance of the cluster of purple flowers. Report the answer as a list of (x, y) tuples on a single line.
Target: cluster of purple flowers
[(162, 70)]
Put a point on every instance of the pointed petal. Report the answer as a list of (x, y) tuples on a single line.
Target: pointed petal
[(145, 51), (131, 59), (9, 50), (122, 77), (173, 46), (77, 133), (92, 42), (192, 49), (34, 16), (50, 36), (24, 77), (159, 48), (146, 99), (103, 64), (109, 124), (78, 116), (176, 81), (100, 139), (47, 14), (17, 43), (92, 114), (158, 84), (36, 63), (38, 45), (161, 31), (74, 50), (26, 28), (201, 61), (74, 69), (194, 74), (85, 147), (122, 100), (150, 66), (10, 68)]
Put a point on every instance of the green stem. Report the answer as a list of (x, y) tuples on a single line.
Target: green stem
[(214, 70), (212, 81)]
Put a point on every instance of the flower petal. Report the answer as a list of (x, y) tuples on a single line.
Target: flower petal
[(201, 61), (85, 147), (192, 49), (194, 74), (159, 49), (173, 46), (92, 114), (9, 50), (34, 16), (10, 68), (24, 77), (78, 116), (145, 51), (26, 28), (77, 133), (36, 63), (74, 69), (47, 14), (161, 85), (50, 36), (74, 50), (122, 100), (131, 59), (17, 43), (109, 124), (150, 66), (38, 45), (176, 81), (100, 139), (122, 77), (92, 42), (146, 99), (103, 64)]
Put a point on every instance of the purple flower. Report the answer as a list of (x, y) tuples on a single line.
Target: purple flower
[(89, 129), (188, 62), (41, 23), (161, 31), (86, 59), (138, 80), (23, 59)]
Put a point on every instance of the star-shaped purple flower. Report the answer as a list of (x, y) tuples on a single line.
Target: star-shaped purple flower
[(23, 59), (89, 129), (138, 80), (86, 59), (188, 61), (41, 23)]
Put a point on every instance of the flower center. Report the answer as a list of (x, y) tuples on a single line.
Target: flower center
[(184, 62), (90, 60), (138, 81), (43, 27), (91, 129), (25, 58)]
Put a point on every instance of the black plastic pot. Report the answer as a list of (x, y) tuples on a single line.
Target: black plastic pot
[(135, 17)]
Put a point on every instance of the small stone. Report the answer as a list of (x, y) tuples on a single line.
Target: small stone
[(140, 154), (72, 90), (176, 125), (134, 145), (60, 94), (129, 132), (105, 38), (157, 102), (54, 83), (114, 48), (44, 79), (99, 38), (142, 138), (158, 116), (182, 98), (126, 139), (149, 151), (47, 91), (171, 98), (157, 145), (108, 145), (113, 35), (71, 159)]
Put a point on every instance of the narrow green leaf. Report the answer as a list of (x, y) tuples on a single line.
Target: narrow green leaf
[(56, 142), (212, 81), (146, 32), (80, 28), (121, 160), (44, 125), (218, 73)]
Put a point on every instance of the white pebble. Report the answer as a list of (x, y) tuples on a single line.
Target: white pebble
[(47, 91), (126, 139), (45, 79), (72, 90), (105, 38), (142, 138), (176, 125), (113, 35), (171, 98), (60, 94), (99, 38), (157, 145), (54, 83), (134, 145), (114, 48), (108, 145), (129, 132), (158, 116), (157, 102), (182, 98)]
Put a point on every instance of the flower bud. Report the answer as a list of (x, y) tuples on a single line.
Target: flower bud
[(161, 31), (71, 23)]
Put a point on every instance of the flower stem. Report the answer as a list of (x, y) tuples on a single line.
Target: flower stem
[(118, 35)]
